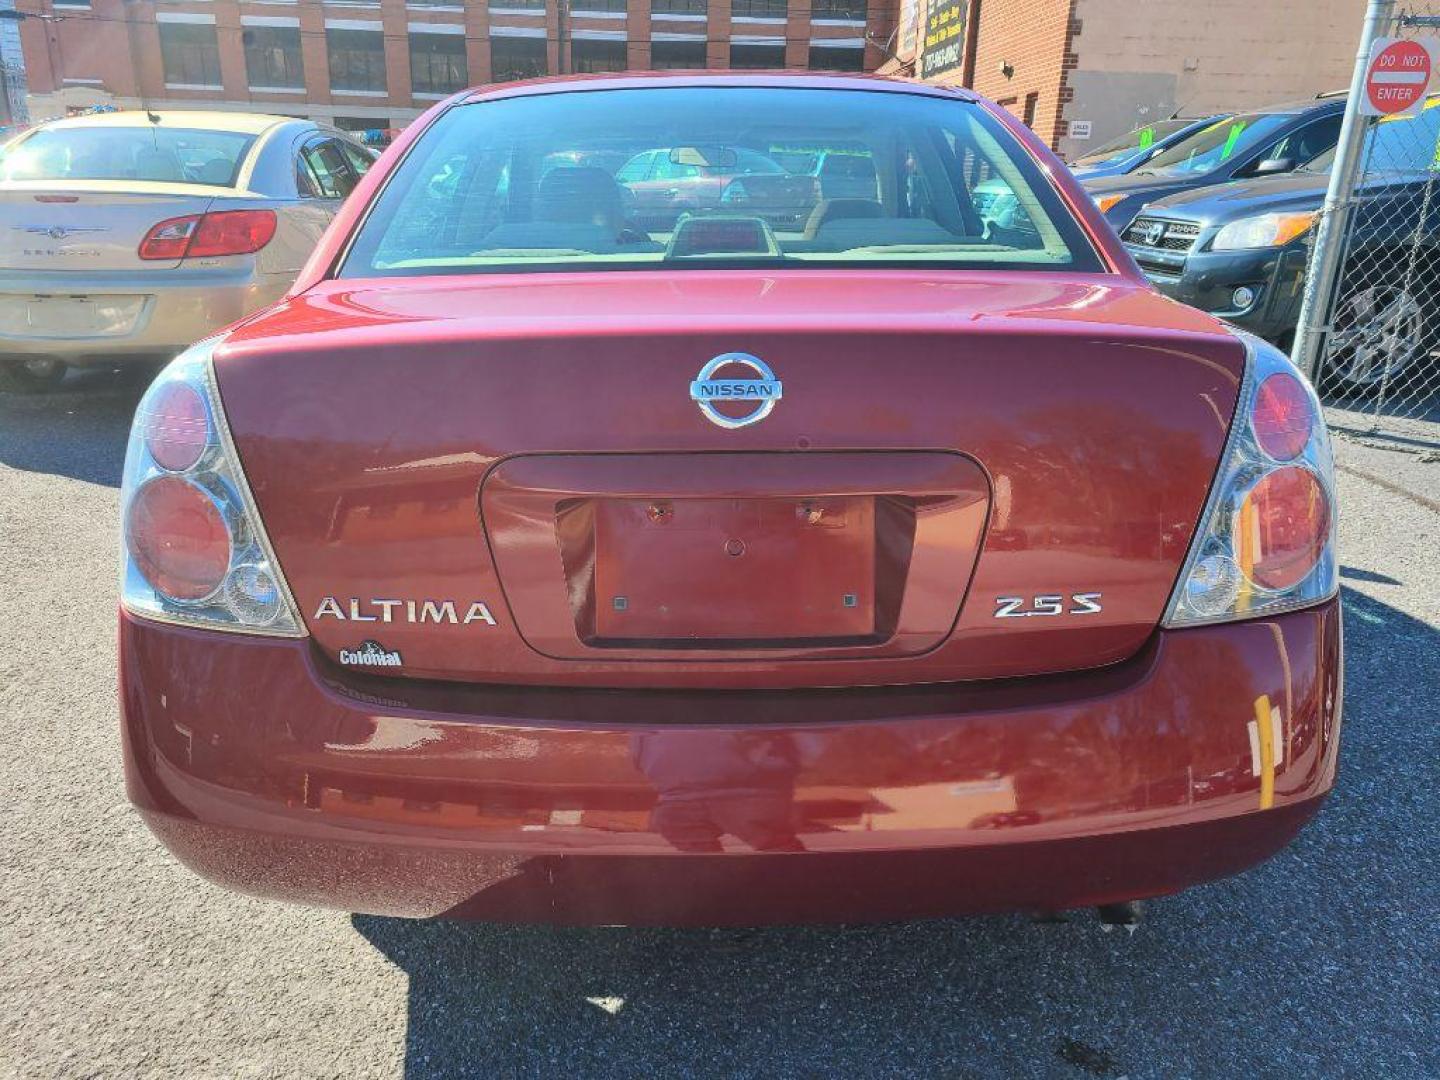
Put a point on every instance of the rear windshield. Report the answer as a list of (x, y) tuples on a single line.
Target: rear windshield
[(1142, 138), (172, 155), (1408, 143), (1211, 147), (715, 176)]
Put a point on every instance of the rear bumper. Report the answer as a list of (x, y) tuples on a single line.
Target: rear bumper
[(269, 771), (153, 315)]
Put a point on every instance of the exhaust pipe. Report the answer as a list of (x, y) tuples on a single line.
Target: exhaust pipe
[(1126, 913)]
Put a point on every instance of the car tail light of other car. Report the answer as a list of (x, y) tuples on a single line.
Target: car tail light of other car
[(1267, 537), (194, 550), (225, 232)]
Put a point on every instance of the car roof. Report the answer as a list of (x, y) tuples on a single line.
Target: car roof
[(557, 84), (242, 123), (1322, 104)]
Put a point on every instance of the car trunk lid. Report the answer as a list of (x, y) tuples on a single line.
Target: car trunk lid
[(506, 479), (90, 225)]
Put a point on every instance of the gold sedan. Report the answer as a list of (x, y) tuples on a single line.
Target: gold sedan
[(125, 237)]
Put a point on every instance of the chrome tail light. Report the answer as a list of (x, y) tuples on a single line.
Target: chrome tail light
[(1266, 541), (194, 549)]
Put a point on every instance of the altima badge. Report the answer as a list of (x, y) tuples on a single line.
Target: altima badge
[(405, 611), (718, 398)]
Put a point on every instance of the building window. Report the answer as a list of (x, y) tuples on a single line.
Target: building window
[(272, 56), (587, 55), (357, 123), (677, 54), (517, 58), (357, 59), (437, 63), (679, 7), (756, 56), (757, 9), (607, 7), (845, 59), (1032, 102), (534, 5), (189, 54), (848, 10)]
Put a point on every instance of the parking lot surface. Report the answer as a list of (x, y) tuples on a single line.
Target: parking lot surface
[(116, 961)]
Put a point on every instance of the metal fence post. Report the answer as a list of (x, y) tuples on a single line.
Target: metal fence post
[(1330, 229)]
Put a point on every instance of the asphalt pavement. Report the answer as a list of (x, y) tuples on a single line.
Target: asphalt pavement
[(116, 961)]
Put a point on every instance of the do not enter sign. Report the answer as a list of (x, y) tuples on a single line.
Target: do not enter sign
[(1398, 75)]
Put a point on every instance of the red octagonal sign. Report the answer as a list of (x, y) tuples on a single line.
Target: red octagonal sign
[(1399, 73)]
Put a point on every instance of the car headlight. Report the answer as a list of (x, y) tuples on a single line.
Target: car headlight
[(1262, 231), (1105, 202)]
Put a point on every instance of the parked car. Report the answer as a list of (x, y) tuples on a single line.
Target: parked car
[(1240, 251), (661, 184), (530, 564), (1245, 146), (1131, 150), (126, 236)]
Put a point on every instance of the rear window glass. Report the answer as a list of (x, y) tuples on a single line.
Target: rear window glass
[(715, 176), (171, 155), (1213, 146), (1406, 143)]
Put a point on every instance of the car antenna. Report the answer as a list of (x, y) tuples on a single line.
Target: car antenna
[(152, 116)]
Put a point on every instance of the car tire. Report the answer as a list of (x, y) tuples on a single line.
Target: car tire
[(31, 375), (1384, 330)]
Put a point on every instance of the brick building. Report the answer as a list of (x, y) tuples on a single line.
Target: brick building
[(378, 63), (1112, 65)]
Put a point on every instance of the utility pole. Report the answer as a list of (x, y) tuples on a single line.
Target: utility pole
[(1320, 283)]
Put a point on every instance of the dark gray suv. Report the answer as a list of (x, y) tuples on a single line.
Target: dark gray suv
[(1263, 143)]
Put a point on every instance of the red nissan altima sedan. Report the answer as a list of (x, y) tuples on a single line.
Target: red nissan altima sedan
[(890, 556)]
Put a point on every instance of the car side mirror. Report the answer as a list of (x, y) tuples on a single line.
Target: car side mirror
[(1270, 166)]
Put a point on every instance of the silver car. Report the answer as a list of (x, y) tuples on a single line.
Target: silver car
[(126, 236)]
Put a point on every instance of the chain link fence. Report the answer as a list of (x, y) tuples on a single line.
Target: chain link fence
[(1370, 330)]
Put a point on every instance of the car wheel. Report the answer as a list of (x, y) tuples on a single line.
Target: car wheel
[(31, 375), (1380, 332)]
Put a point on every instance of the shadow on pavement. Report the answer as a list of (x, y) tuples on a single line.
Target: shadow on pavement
[(1319, 961), (1354, 573), (77, 431)]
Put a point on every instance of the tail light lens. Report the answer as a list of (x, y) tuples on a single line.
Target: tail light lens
[(224, 232), (1284, 523), (194, 550), (1282, 418), (177, 535), (1267, 538), (232, 232), (169, 239)]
